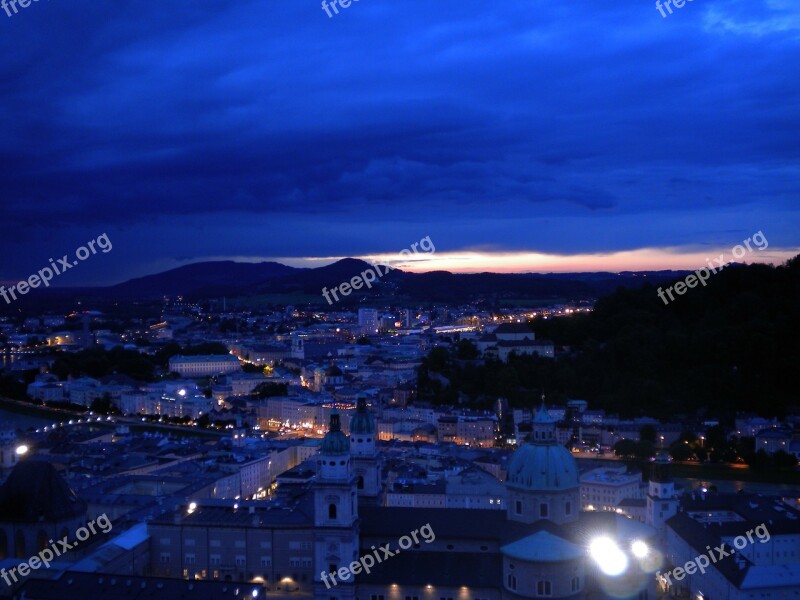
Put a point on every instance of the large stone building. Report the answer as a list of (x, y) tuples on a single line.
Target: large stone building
[(748, 545), (204, 365), (310, 541), (538, 547), (514, 337), (606, 488)]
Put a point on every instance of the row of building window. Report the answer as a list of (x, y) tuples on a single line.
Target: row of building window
[(543, 587), (215, 574), (215, 560)]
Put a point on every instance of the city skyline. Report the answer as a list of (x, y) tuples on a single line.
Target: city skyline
[(358, 299)]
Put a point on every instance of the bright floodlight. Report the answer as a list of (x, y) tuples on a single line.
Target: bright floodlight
[(611, 560), (22, 450), (639, 549), (181, 392)]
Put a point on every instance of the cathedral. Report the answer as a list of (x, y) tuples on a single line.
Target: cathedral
[(334, 540), (328, 535)]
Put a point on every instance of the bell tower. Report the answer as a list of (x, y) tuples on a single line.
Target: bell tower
[(662, 502), (335, 514), (364, 454)]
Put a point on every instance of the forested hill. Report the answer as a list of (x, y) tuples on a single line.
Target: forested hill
[(730, 346)]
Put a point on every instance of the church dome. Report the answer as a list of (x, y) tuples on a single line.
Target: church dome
[(542, 468), (36, 492), (362, 422), (542, 464), (333, 371), (335, 441)]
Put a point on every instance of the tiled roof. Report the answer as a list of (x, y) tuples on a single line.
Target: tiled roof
[(543, 546)]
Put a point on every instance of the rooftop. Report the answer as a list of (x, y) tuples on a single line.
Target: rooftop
[(447, 569), (35, 491), (543, 546)]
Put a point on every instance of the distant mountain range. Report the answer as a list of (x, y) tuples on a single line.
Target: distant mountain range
[(205, 278), (275, 283), (242, 280)]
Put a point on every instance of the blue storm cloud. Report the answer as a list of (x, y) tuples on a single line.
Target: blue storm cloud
[(189, 130)]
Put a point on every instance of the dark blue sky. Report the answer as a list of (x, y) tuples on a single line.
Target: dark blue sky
[(198, 129)]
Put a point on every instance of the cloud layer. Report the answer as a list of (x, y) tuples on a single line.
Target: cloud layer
[(190, 130)]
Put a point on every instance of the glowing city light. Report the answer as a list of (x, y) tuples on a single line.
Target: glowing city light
[(22, 450), (639, 549), (609, 558)]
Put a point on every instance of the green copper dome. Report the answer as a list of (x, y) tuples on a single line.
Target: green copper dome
[(542, 464), (335, 441), (542, 468), (362, 422)]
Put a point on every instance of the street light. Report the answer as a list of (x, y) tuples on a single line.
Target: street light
[(639, 549), (609, 558)]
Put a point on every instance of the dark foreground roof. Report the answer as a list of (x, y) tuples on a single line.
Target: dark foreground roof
[(451, 569), (394, 522), (391, 523), (753, 508), (35, 492)]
